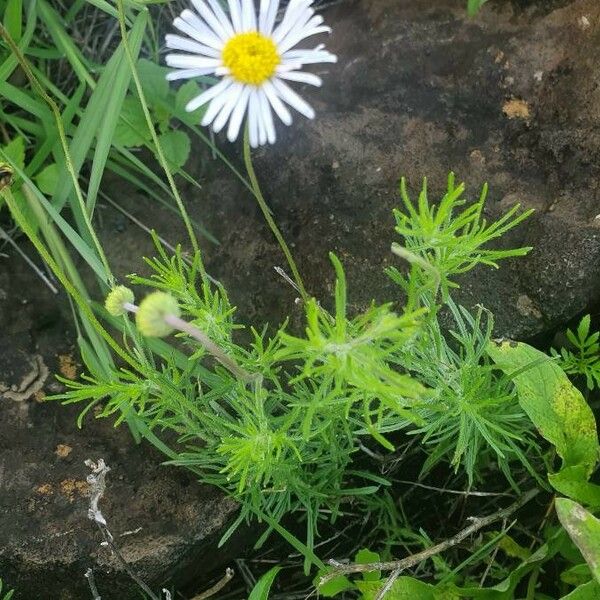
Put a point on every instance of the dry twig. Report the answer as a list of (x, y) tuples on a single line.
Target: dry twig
[(397, 566)]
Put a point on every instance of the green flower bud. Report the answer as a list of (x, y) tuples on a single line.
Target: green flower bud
[(116, 300), (150, 317)]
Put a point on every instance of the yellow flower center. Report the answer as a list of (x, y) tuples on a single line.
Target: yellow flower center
[(251, 57)]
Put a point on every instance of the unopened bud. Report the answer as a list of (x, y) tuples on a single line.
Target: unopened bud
[(150, 317), (116, 300)]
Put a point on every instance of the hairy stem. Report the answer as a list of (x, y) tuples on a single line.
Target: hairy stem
[(269, 218), (159, 151)]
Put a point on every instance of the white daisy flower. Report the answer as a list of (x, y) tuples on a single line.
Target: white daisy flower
[(254, 58)]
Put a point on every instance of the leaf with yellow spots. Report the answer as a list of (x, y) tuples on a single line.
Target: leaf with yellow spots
[(560, 413), (584, 530)]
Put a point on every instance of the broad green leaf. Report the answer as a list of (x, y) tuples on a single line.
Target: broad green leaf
[(154, 81), (584, 530), (132, 130), (560, 413), (334, 586), (365, 556), (404, 588), (176, 147), (263, 586), (47, 179), (577, 575), (587, 591), (188, 91)]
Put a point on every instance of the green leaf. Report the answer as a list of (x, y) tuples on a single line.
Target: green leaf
[(584, 530), (577, 575), (188, 91), (13, 19), (47, 179), (560, 413), (154, 81), (93, 118), (364, 557), (404, 588), (587, 591), (263, 586), (176, 145), (334, 586), (473, 6), (132, 130), (120, 76), (15, 150)]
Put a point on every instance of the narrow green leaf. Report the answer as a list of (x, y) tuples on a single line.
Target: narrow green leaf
[(263, 586), (64, 42), (120, 76), (13, 19)]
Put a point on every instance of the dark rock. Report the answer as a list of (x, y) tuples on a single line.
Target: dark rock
[(509, 98), (164, 522)]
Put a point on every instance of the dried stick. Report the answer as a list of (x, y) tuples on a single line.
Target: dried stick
[(398, 566), (217, 587), (97, 481), (89, 575)]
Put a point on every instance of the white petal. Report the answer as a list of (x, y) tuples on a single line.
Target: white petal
[(190, 61), (217, 104), (302, 78), (253, 116), (267, 20), (308, 57), (234, 92), (222, 17), (210, 19), (297, 35), (178, 42), (262, 129), (208, 95), (265, 110), (236, 15), (248, 15), (288, 95), (238, 114), (297, 20), (188, 73), (189, 23), (282, 112)]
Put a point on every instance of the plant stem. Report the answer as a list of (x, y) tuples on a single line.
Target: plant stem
[(81, 301), (159, 151), (397, 566), (63, 140), (268, 217)]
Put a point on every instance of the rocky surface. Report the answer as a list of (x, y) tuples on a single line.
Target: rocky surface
[(165, 523), (511, 98)]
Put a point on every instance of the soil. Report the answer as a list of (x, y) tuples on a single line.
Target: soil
[(511, 98), (164, 522)]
